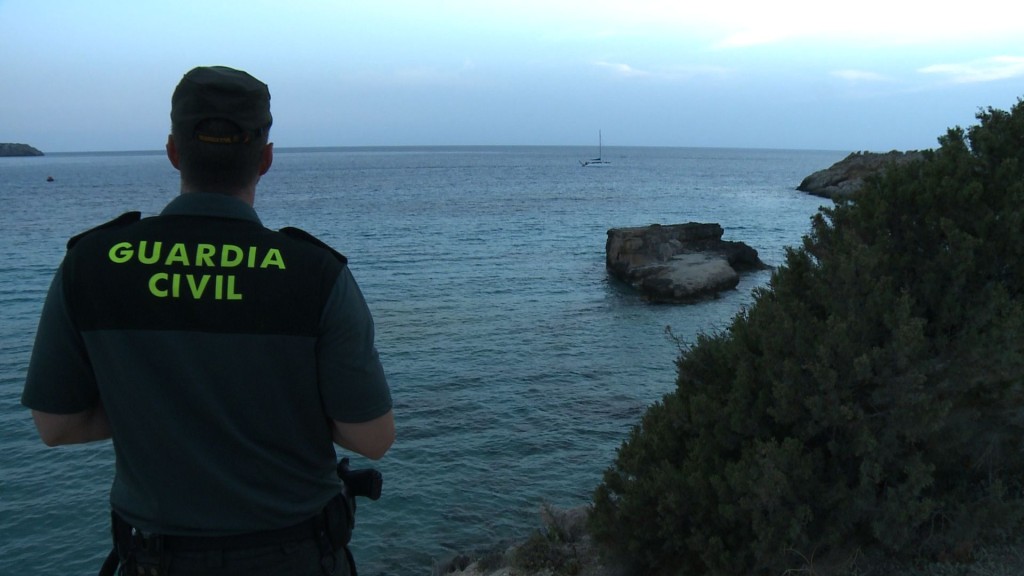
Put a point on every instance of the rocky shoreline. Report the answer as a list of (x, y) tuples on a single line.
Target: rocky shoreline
[(561, 546), (9, 150)]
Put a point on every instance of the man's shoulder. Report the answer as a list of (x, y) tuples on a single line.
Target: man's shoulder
[(119, 222), (303, 236)]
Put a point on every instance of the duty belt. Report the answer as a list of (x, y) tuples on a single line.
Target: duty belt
[(331, 529), (124, 533)]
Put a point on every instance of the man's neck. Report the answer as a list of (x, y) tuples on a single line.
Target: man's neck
[(247, 195)]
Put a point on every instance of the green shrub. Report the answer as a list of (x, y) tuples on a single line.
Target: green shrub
[(872, 396), (552, 549)]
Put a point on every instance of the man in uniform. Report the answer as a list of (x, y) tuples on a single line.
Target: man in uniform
[(222, 358)]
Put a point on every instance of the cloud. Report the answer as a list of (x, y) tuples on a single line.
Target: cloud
[(680, 72), (753, 37), (739, 24), (984, 70), (624, 70), (860, 76)]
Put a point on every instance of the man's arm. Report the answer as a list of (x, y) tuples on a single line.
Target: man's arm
[(371, 439), (59, 429), (60, 386)]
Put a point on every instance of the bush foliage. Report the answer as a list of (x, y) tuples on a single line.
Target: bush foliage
[(870, 399)]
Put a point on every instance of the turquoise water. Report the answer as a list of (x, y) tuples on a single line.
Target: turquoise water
[(517, 367)]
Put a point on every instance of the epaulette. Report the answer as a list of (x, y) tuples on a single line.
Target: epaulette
[(122, 220), (300, 234)]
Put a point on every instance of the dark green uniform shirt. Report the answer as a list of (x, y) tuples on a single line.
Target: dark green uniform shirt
[(220, 350)]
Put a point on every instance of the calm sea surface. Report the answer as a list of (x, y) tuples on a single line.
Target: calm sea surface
[(516, 366)]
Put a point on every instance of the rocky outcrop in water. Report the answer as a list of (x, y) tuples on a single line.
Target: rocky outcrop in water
[(7, 149), (679, 262), (844, 178)]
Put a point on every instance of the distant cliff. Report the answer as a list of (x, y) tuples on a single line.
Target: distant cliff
[(844, 178), (7, 149)]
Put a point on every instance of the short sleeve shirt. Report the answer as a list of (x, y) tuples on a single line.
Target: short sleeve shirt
[(221, 350)]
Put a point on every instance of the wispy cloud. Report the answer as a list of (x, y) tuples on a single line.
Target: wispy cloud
[(624, 70), (753, 37), (745, 24), (860, 76), (433, 75), (984, 70), (680, 72)]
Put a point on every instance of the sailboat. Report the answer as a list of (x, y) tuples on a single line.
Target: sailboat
[(596, 161)]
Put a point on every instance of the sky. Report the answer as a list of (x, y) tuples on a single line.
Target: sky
[(873, 75)]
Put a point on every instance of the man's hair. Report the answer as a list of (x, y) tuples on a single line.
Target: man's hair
[(223, 159)]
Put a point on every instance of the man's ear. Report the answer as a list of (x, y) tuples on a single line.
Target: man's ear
[(172, 152), (267, 159)]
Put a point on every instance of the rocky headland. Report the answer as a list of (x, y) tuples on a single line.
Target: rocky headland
[(678, 263), (8, 149), (844, 178)]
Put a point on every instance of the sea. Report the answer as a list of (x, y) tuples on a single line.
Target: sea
[(517, 365)]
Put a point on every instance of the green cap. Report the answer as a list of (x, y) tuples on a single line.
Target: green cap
[(220, 92)]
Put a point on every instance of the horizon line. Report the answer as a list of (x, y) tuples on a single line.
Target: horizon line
[(293, 149)]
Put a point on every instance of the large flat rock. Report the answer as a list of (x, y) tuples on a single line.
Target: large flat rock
[(678, 263)]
